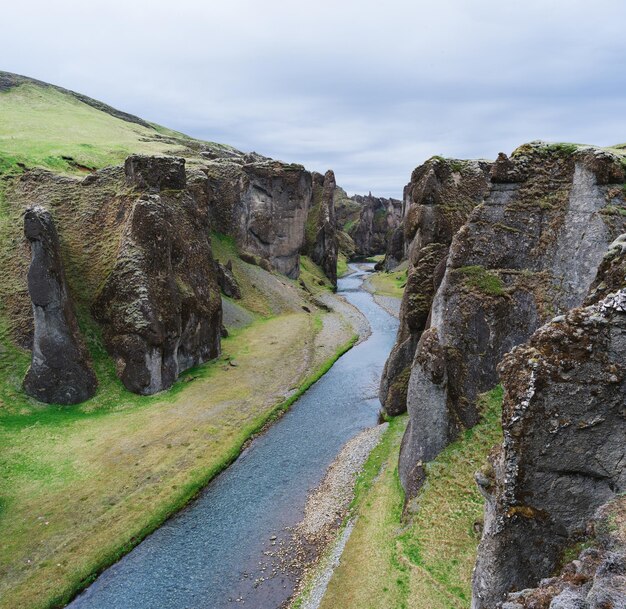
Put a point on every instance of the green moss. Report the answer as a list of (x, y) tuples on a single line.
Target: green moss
[(479, 278), (342, 265)]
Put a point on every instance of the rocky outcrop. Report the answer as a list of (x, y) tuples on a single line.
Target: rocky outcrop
[(160, 307), (321, 230), (227, 281), (596, 579), (378, 219), (563, 454), (438, 200), (529, 252), (263, 204), (60, 370), (155, 173)]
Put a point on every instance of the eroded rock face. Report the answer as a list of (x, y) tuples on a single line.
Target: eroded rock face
[(596, 579), (263, 204), (155, 173), (160, 307), (439, 198), (227, 281), (378, 219), (60, 370), (563, 455), (322, 241), (529, 252)]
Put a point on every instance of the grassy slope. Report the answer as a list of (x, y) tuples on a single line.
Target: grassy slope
[(388, 284), (40, 125), (425, 561)]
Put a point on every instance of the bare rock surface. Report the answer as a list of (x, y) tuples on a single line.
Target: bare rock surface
[(323, 244), (438, 200), (563, 454), (60, 370), (530, 251), (160, 307), (263, 204), (596, 579), (155, 173)]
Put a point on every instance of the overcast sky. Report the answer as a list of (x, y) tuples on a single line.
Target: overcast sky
[(368, 88)]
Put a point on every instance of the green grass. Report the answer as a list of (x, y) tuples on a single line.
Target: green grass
[(39, 126), (388, 284), (424, 560), (105, 477), (342, 265), (480, 279)]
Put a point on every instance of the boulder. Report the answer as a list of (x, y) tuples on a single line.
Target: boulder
[(226, 280), (60, 370)]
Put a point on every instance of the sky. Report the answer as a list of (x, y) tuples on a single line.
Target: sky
[(369, 89)]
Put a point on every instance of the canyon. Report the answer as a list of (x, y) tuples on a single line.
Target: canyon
[(164, 300)]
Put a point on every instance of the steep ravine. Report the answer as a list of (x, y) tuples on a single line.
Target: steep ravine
[(219, 548)]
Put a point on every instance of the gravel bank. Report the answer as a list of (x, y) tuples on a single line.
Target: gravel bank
[(315, 544)]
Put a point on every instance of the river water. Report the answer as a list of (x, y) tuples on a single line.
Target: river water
[(213, 553)]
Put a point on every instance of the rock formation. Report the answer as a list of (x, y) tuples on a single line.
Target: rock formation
[(529, 252), (321, 237), (596, 579), (263, 204), (60, 370), (160, 307), (563, 454), (378, 218), (155, 173), (439, 198), (226, 280)]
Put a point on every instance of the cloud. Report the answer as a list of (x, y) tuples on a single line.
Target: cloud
[(370, 89)]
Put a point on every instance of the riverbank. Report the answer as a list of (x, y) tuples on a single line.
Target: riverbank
[(422, 557), (387, 289), (81, 488)]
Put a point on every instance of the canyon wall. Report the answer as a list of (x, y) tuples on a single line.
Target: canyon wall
[(263, 204), (526, 253), (563, 452)]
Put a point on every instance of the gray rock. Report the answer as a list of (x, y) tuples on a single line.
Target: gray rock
[(438, 200), (263, 205), (530, 251), (322, 243), (60, 370), (160, 307), (155, 173), (226, 280)]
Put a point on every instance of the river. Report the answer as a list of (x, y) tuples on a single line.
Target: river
[(212, 553)]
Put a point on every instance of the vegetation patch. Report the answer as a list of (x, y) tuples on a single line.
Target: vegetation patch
[(424, 560), (480, 279)]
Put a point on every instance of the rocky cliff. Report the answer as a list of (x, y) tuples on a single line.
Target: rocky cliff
[(160, 307), (263, 204), (60, 370), (322, 242), (368, 221), (528, 252), (438, 200), (563, 453), (136, 244)]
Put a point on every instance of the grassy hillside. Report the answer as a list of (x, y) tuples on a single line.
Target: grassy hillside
[(81, 485), (43, 126)]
